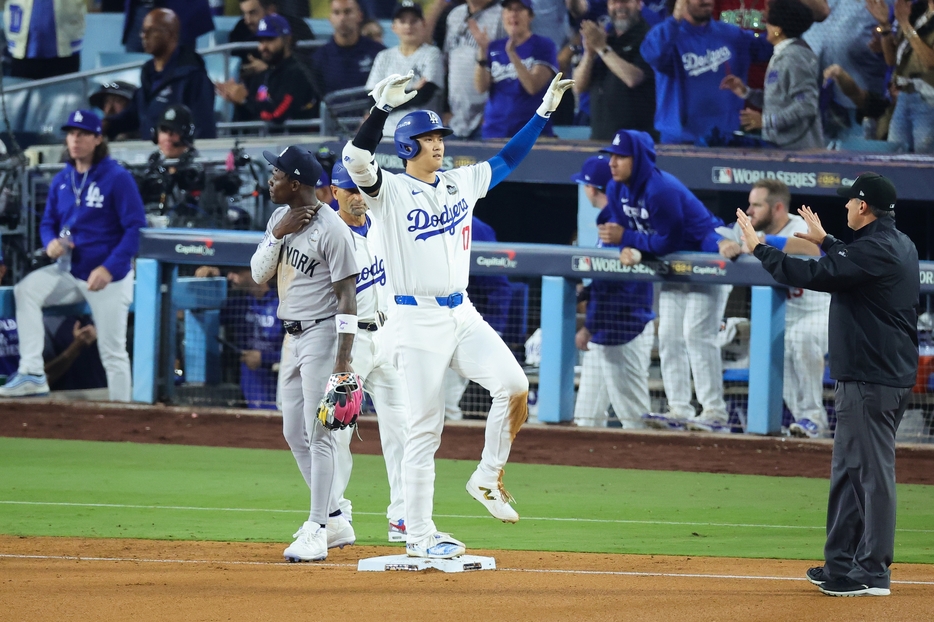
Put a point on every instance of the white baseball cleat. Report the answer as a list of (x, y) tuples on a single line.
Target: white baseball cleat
[(397, 530), (436, 546), (25, 385), (311, 544), (340, 532), (493, 496)]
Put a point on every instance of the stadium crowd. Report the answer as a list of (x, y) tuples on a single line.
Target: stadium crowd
[(791, 74)]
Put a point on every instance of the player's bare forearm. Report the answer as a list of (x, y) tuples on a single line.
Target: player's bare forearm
[(346, 292)]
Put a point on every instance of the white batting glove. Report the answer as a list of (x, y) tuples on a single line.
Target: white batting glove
[(553, 95), (390, 92)]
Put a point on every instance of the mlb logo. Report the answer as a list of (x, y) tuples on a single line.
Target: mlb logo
[(722, 175), (581, 264)]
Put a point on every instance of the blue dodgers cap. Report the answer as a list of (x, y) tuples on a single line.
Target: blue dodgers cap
[(341, 178), (299, 164), (595, 172), (622, 144), (83, 120), (271, 26)]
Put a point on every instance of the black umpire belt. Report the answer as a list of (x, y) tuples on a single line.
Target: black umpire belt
[(297, 328)]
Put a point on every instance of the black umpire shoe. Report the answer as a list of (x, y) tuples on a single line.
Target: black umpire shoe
[(816, 575), (845, 586)]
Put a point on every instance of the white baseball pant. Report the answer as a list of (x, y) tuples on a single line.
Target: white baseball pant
[(802, 381), (454, 387), (425, 341), (688, 320), (110, 306), (617, 375), (307, 363), (385, 386)]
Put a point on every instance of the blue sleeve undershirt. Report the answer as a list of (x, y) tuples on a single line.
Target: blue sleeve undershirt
[(513, 152)]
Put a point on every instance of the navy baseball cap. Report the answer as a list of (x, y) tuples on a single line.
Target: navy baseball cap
[(271, 26), (341, 178), (83, 120), (526, 3), (410, 6), (595, 172), (324, 180), (872, 188), (299, 164), (621, 146)]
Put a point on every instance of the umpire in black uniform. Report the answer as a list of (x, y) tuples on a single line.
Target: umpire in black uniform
[(875, 292)]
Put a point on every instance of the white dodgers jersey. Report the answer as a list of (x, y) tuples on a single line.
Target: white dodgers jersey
[(802, 301), (424, 229), (371, 282)]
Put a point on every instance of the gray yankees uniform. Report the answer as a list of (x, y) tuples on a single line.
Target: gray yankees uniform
[(425, 62), (308, 262)]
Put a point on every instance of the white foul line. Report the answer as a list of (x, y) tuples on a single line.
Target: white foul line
[(609, 521), (617, 573)]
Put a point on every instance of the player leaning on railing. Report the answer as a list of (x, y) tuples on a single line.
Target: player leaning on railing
[(423, 218)]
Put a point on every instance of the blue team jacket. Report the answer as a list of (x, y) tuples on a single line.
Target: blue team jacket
[(689, 63), (662, 215), (491, 295), (617, 311), (105, 227), (252, 324)]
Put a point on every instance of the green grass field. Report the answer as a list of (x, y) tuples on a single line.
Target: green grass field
[(125, 490)]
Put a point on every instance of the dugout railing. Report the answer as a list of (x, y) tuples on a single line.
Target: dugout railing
[(161, 294)]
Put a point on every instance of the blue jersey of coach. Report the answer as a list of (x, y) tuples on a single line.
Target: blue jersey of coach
[(104, 224)]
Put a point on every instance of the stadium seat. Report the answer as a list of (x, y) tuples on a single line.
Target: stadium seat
[(49, 107), (16, 102), (109, 59), (868, 146), (223, 109), (572, 132)]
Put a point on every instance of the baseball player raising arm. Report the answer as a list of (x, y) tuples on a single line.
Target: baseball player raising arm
[(313, 252), (424, 219)]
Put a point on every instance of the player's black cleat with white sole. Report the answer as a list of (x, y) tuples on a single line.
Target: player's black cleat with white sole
[(845, 586)]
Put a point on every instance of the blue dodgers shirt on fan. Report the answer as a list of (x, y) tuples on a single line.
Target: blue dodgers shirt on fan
[(510, 106), (690, 62)]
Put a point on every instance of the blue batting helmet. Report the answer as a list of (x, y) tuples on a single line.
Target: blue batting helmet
[(413, 125), (341, 178)]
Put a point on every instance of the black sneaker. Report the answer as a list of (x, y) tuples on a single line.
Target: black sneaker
[(846, 586), (816, 575)]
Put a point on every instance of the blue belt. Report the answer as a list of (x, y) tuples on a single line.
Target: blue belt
[(454, 300)]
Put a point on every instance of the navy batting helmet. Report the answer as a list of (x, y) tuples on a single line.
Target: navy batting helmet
[(413, 125)]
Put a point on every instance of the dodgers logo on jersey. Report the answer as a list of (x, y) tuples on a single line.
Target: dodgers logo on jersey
[(94, 197), (374, 274), (448, 220)]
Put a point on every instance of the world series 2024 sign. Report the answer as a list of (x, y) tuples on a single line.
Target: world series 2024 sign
[(728, 176)]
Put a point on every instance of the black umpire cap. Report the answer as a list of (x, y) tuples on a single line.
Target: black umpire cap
[(299, 164), (872, 188)]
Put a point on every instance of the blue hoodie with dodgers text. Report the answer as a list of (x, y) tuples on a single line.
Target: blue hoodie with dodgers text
[(663, 216), (690, 62)]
